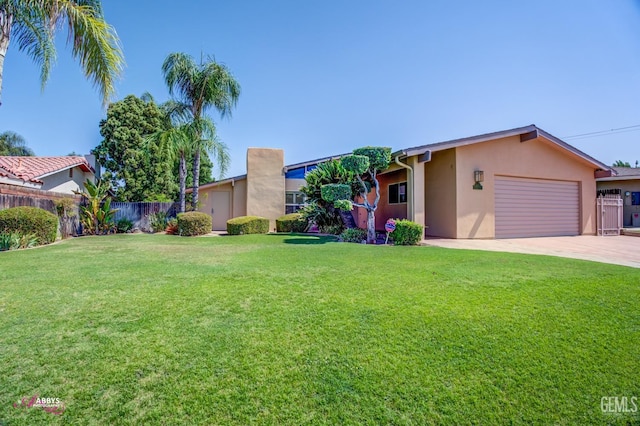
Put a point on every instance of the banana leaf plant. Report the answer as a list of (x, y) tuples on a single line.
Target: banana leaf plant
[(96, 216)]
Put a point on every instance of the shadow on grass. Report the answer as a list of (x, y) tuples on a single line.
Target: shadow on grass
[(309, 239)]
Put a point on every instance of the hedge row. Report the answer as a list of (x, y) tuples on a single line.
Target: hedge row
[(247, 225), (292, 222), (194, 223), (29, 220)]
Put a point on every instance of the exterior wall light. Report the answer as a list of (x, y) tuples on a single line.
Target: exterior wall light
[(478, 176)]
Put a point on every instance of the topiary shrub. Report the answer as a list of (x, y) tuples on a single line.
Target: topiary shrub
[(194, 223), (247, 225), (354, 235), (292, 222), (407, 233), (30, 221)]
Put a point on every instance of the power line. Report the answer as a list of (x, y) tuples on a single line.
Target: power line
[(626, 129)]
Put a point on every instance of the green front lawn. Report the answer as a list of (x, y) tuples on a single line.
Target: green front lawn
[(153, 329)]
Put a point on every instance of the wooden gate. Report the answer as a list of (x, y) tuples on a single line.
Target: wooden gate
[(609, 214)]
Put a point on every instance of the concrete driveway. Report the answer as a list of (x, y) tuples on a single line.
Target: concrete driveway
[(619, 250)]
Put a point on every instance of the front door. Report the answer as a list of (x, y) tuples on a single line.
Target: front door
[(220, 210)]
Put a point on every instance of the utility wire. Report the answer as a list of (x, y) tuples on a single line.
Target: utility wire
[(626, 129)]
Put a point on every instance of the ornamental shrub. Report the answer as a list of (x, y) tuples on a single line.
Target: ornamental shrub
[(354, 235), (193, 223), (407, 233), (30, 221), (292, 222), (335, 191), (124, 225), (247, 225), (357, 164)]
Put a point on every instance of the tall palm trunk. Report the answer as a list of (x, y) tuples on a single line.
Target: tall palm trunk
[(5, 32), (182, 173), (196, 178)]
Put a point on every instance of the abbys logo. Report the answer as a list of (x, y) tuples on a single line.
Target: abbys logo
[(50, 405), (619, 404)]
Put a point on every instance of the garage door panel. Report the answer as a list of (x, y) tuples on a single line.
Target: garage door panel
[(535, 207)]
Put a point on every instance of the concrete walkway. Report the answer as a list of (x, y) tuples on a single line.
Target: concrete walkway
[(619, 250)]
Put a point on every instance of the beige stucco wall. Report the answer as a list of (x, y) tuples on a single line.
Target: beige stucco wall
[(238, 199), (61, 182), (440, 195), (265, 183), (625, 186), (539, 158)]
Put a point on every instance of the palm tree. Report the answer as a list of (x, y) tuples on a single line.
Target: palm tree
[(33, 23), (13, 144), (198, 88), (178, 142)]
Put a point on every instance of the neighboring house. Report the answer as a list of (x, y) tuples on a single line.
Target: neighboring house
[(626, 182), (56, 174), (521, 182)]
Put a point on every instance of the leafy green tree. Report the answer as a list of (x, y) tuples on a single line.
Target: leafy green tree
[(620, 163), (13, 144), (95, 44), (137, 170), (198, 88), (365, 163)]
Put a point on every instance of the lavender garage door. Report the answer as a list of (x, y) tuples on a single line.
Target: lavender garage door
[(536, 207)]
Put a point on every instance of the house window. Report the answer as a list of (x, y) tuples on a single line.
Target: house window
[(294, 200), (398, 193), (71, 172), (635, 198)]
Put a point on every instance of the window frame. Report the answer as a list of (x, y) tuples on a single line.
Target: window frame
[(398, 193)]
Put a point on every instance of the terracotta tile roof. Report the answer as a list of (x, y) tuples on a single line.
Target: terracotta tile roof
[(32, 169)]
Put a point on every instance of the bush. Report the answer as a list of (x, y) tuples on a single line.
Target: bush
[(354, 235), (407, 233), (30, 220), (292, 222), (247, 225), (158, 221), (124, 225), (172, 226), (193, 223)]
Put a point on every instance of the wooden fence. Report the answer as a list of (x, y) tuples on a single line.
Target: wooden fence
[(17, 196), (139, 213)]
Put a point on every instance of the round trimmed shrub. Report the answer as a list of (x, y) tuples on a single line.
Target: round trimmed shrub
[(247, 225), (292, 222), (194, 223), (30, 220), (407, 233)]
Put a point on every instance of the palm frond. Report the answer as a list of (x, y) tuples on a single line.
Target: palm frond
[(34, 36), (94, 43)]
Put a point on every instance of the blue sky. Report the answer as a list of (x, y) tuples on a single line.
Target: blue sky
[(324, 77)]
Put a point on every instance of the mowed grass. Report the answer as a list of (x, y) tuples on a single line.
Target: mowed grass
[(287, 329)]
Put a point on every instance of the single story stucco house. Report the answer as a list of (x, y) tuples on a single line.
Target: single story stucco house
[(63, 175), (522, 182), (626, 183)]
